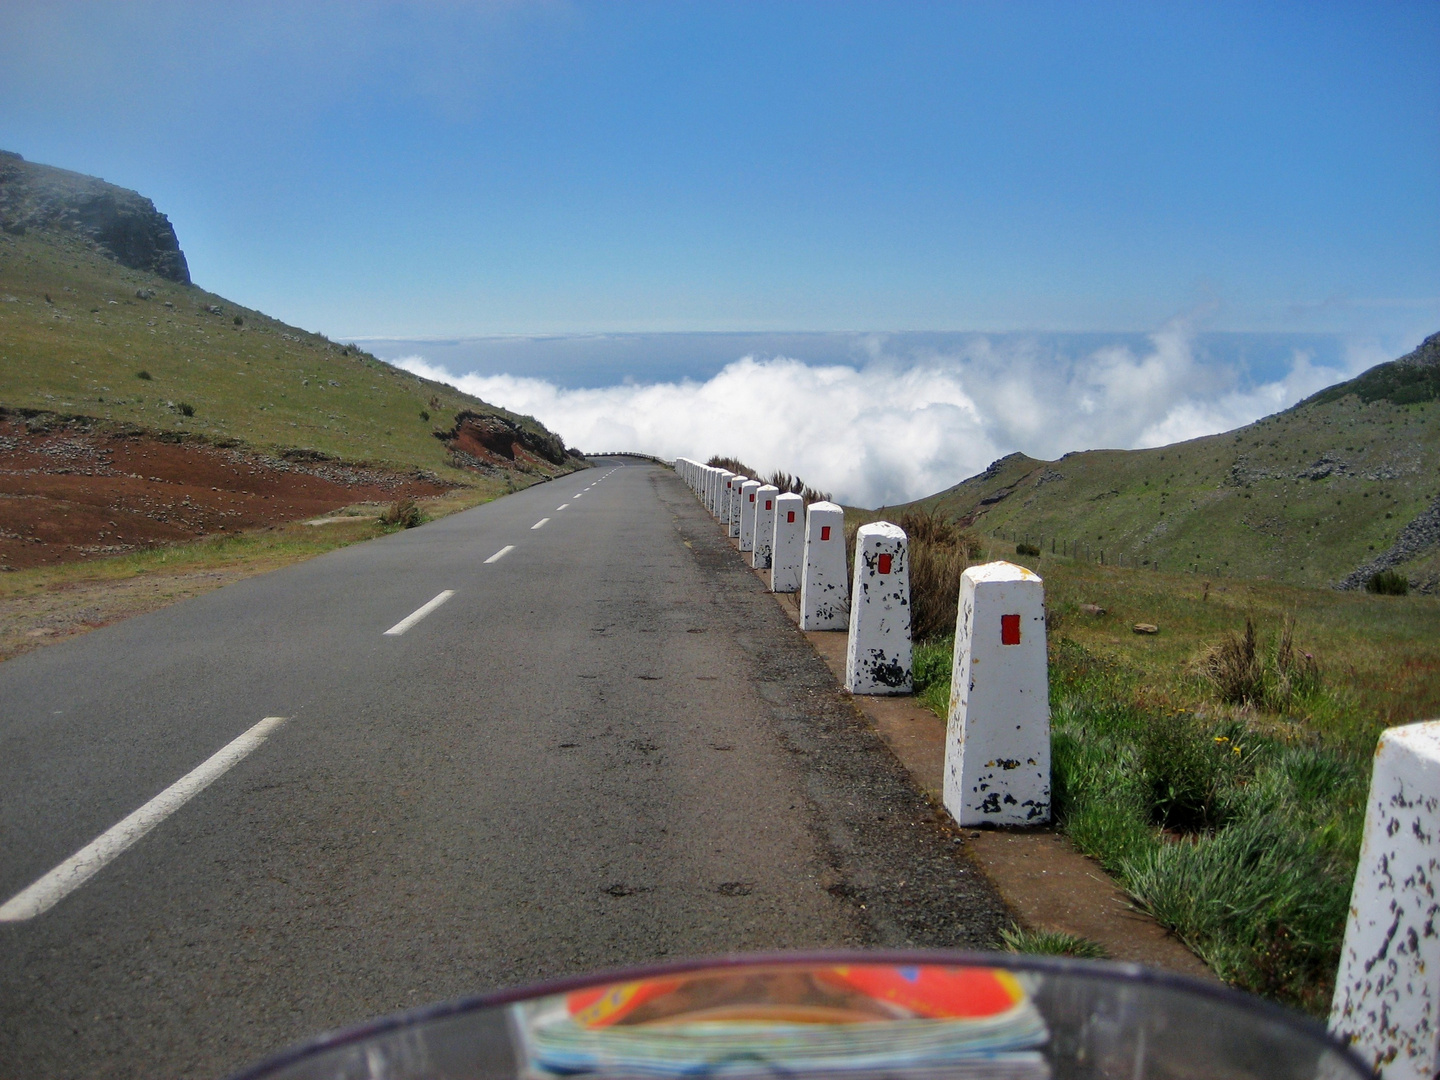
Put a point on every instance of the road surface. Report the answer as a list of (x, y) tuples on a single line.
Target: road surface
[(605, 746)]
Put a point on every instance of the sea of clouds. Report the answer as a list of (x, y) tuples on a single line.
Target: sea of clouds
[(888, 429)]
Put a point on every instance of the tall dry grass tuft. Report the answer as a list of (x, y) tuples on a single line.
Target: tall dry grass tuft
[(733, 465), (940, 551), (795, 486), (1242, 674), (402, 514), (1234, 667), (935, 571)]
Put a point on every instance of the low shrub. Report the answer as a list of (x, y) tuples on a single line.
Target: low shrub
[(186, 409), (143, 374), (402, 514), (1187, 769), (1388, 583), (1025, 548)]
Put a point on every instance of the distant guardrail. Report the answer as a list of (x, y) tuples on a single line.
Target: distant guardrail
[(632, 453)]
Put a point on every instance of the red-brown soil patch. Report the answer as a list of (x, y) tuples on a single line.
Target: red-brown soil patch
[(72, 490)]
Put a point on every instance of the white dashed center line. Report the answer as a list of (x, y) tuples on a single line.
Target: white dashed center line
[(418, 614), (561, 506), (92, 858), (501, 553), (539, 524)]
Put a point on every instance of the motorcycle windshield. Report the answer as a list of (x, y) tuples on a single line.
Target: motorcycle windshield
[(840, 1015)]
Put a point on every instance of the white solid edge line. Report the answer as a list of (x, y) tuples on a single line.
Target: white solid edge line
[(92, 858), (418, 614), (539, 524), (561, 507), (501, 553)]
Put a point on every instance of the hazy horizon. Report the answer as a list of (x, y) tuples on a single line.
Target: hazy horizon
[(886, 418)]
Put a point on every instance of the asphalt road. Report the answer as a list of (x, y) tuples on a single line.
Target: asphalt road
[(608, 746)]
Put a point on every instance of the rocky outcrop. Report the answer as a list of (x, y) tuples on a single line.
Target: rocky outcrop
[(122, 223), (1419, 536), (480, 435)]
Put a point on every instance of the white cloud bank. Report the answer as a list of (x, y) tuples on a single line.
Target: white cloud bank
[(887, 431)]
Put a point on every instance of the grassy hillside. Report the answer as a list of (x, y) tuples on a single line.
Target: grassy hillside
[(1309, 496), (77, 329)]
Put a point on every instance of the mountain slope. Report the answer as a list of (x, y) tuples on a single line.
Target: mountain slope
[(94, 290), (1327, 492)]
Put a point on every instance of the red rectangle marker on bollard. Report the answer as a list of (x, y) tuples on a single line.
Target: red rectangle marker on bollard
[(789, 517), (824, 532), (1009, 629), (885, 563)]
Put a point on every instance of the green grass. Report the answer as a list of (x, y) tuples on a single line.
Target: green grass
[(1244, 843), (94, 348), (1051, 943), (1236, 823)]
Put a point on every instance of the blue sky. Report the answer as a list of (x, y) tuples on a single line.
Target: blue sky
[(446, 169)]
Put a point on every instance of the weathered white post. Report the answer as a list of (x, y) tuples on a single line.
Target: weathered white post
[(997, 739), (747, 514), (1387, 990), (877, 656), (787, 550), (723, 514), (710, 473), (824, 589), (735, 500), (722, 496), (765, 497)]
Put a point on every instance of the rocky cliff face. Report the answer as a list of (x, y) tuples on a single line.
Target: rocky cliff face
[(480, 435), (120, 222)]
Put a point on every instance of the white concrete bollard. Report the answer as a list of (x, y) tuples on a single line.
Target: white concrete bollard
[(735, 499), (722, 496), (824, 589), (747, 514), (787, 548), (764, 526), (1387, 990), (709, 495), (877, 656), (997, 739)]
